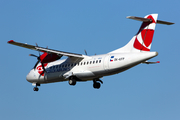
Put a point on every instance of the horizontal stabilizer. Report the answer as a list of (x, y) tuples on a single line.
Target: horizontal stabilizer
[(139, 18), (146, 62), (149, 20), (164, 22)]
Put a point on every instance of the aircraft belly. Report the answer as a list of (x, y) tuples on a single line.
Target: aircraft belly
[(52, 77), (85, 75)]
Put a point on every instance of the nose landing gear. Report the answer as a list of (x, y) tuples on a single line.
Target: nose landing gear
[(36, 88)]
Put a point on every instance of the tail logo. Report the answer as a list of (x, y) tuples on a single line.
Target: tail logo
[(144, 37), (143, 40)]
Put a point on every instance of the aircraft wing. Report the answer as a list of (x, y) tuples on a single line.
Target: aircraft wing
[(47, 50)]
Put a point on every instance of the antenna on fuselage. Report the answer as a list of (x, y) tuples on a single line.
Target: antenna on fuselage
[(85, 52)]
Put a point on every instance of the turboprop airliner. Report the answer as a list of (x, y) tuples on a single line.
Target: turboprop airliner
[(77, 67)]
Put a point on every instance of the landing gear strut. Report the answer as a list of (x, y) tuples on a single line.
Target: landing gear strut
[(96, 84), (36, 88)]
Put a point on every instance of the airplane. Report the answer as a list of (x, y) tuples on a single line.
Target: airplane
[(78, 67)]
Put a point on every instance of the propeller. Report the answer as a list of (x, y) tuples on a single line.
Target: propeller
[(39, 60)]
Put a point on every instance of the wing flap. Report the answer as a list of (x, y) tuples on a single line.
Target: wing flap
[(41, 49)]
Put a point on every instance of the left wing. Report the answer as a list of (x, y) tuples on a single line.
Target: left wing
[(41, 49)]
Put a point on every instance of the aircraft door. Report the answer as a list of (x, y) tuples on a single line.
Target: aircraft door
[(106, 62)]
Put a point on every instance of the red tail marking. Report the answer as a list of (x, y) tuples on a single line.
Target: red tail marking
[(150, 17), (147, 36), (139, 46)]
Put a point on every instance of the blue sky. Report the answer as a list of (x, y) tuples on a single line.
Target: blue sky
[(145, 92)]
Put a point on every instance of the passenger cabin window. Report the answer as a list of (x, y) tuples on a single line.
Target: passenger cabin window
[(99, 61), (96, 61), (93, 62)]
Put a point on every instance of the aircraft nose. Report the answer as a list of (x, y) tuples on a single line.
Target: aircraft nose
[(31, 77)]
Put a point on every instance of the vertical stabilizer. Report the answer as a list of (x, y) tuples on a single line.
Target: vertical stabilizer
[(143, 39)]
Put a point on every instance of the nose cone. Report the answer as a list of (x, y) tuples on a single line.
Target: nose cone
[(31, 77)]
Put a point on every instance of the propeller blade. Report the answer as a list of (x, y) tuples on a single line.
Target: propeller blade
[(33, 55), (43, 67), (38, 58), (36, 64)]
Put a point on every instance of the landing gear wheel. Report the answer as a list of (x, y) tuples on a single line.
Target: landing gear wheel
[(96, 85), (35, 88), (72, 81)]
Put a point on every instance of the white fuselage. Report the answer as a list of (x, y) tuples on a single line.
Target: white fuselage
[(89, 68), (78, 67)]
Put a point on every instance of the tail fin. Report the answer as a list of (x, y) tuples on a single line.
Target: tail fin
[(143, 39)]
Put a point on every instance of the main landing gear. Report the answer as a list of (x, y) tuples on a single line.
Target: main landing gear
[(36, 88), (96, 84), (72, 81)]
